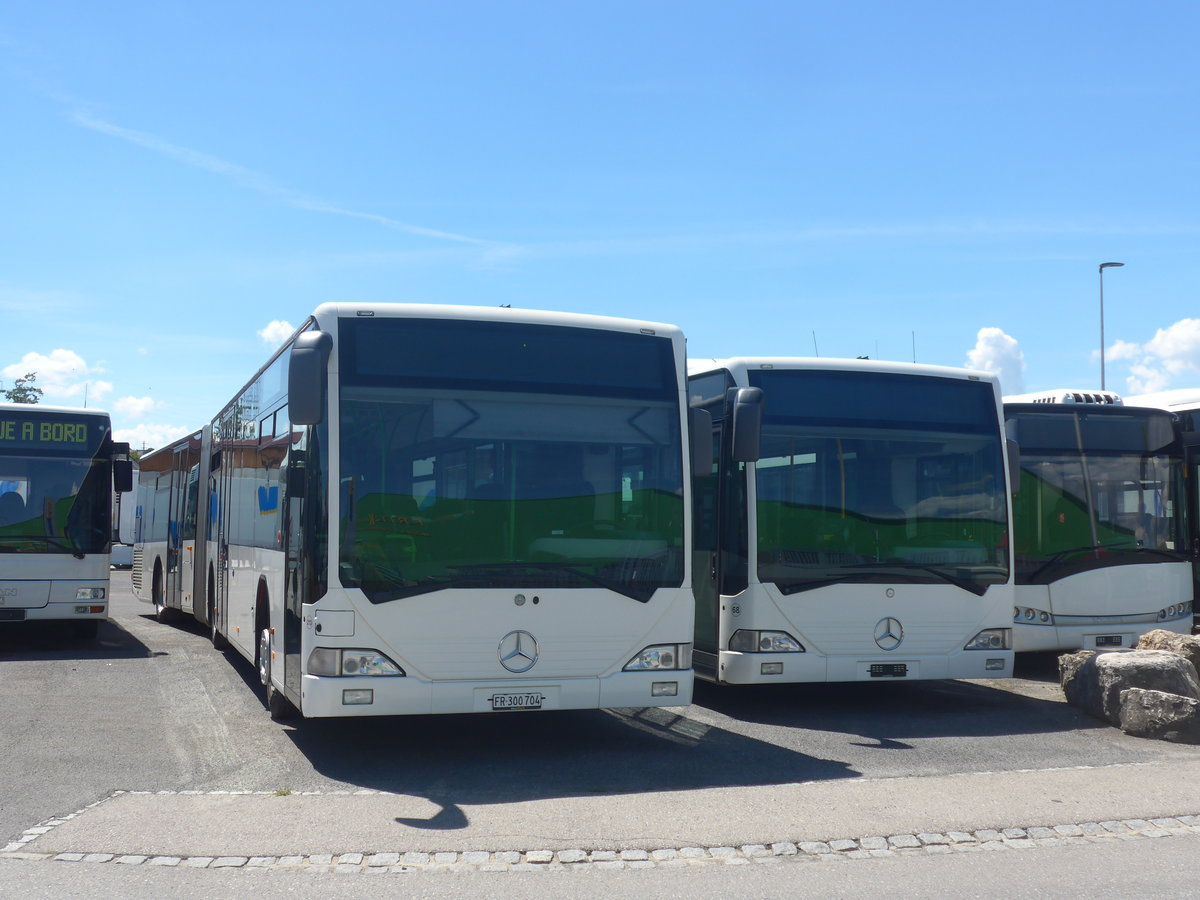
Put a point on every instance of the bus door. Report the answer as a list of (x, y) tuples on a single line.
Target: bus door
[(224, 470), (705, 555), (175, 522), (1191, 471), (296, 564), (187, 533)]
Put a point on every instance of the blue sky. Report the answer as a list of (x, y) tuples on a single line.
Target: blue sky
[(771, 176)]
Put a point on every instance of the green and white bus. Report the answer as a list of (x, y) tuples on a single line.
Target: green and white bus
[(855, 524), (434, 509), (1101, 523), (57, 472)]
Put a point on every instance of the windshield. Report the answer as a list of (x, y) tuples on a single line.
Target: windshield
[(476, 487), (55, 479), (1098, 488), (879, 477)]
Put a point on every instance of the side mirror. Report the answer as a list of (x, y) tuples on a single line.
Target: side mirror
[(1014, 467), (746, 418), (122, 469), (307, 377), (700, 436)]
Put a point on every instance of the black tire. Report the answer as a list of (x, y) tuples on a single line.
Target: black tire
[(218, 640), (278, 705), (162, 612)]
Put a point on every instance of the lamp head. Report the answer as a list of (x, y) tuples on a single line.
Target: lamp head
[(1114, 265)]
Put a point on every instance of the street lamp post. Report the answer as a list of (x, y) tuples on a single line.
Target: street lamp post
[(1103, 266)]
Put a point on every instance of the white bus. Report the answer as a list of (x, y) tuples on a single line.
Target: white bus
[(434, 509), (855, 524), (166, 552), (1101, 525), (57, 472), (1185, 403)]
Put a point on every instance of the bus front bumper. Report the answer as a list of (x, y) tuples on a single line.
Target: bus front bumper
[(406, 695)]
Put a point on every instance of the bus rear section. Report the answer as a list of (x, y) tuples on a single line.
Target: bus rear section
[(170, 539), (57, 468), (856, 525), (450, 510), (1101, 526)]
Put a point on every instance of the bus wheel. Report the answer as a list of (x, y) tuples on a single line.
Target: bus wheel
[(277, 704), (214, 633), (162, 612)]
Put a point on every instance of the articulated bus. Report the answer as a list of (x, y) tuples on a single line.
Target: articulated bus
[(166, 552), (854, 525), (432, 509), (57, 472)]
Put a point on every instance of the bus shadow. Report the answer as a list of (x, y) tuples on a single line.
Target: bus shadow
[(45, 641), (1037, 666), (892, 714), (465, 760)]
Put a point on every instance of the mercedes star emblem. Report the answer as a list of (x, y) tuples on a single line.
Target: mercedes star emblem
[(518, 651), (889, 633)]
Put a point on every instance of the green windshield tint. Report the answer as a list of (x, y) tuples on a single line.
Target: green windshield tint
[(1098, 488), (445, 489), (56, 503), (848, 494)]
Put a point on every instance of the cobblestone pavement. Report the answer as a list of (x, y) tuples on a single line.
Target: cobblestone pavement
[(1028, 837)]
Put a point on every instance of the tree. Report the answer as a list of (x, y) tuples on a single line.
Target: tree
[(23, 390)]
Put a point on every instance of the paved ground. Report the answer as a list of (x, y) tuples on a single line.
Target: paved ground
[(150, 751)]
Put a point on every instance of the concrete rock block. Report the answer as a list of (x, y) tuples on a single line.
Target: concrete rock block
[(1186, 645), (1094, 681), (1160, 715)]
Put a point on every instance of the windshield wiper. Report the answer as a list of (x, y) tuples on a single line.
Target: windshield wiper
[(1082, 549), (51, 541), (568, 568), (901, 570)]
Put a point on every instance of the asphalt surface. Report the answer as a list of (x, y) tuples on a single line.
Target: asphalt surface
[(149, 746)]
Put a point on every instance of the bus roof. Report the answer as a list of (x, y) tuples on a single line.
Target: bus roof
[(58, 410), (741, 364), (494, 314), (1174, 400), (1068, 395)]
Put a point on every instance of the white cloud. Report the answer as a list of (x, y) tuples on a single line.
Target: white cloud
[(1146, 380), (63, 375), (999, 353), (150, 437), (254, 181), (1172, 352), (1122, 350), (134, 407), (276, 332)]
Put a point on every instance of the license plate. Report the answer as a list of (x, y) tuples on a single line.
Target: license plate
[(889, 670), (12, 615), (516, 701), (1108, 640)]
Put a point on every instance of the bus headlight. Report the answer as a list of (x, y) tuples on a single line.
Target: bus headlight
[(1175, 611), (991, 639), (661, 657), (745, 641), (334, 662), (1025, 615), (96, 593)]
